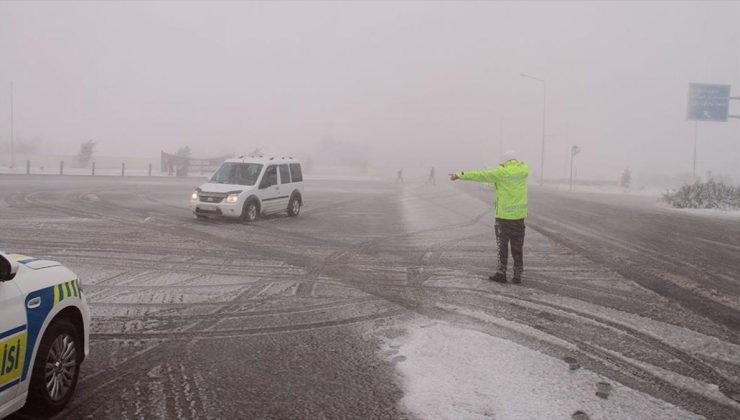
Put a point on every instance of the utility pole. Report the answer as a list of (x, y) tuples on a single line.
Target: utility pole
[(734, 98), (574, 150), (696, 130), (544, 116), (567, 138), (500, 137), (12, 140)]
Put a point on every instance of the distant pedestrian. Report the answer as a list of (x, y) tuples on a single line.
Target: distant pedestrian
[(431, 177), (510, 180), (399, 176)]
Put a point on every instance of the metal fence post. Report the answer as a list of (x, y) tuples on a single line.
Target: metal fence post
[(61, 167), (150, 169), (28, 167), (93, 169), (123, 169)]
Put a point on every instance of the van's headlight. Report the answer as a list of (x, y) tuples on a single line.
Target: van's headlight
[(194, 196), (232, 198)]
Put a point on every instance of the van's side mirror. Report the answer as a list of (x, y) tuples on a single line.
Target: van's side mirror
[(8, 268)]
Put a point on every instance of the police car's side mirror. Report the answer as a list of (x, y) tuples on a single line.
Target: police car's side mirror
[(8, 268)]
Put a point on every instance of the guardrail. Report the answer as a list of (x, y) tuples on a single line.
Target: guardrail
[(92, 170)]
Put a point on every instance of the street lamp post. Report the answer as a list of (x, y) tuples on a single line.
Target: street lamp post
[(544, 115), (12, 137)]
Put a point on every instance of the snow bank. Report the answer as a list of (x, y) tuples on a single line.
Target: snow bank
[(453, 373), (607, 189), (714, 213), (707, 195)]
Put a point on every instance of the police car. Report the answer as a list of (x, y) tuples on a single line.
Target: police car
[(44, 334), (247, 187)]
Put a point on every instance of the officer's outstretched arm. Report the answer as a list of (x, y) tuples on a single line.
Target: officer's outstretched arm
[(486, 175)]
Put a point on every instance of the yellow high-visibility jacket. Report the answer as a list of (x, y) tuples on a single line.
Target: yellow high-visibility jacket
[(510, 180)]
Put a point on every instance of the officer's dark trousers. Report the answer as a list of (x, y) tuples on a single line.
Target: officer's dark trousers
[(510, 232)]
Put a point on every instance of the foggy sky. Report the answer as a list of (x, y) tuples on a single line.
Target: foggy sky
[(415, 83)]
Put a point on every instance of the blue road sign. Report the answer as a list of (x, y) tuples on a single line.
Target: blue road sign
[(708, 102)]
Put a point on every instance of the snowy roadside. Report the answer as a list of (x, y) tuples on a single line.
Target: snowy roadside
[(453, 373), (712, 213), (608, 189), (647, 192), (450, 372)]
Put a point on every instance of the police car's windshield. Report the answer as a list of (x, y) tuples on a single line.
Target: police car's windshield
[(237, 173)]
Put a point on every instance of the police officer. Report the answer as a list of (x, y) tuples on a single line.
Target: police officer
[(510, 180)]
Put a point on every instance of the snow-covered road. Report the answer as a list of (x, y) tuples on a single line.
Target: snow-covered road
[(373, 303)]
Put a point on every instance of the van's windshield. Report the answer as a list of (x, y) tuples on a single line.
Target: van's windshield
[(237, 173)]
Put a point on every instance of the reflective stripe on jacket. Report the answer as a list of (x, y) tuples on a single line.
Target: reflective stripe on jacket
[(510, 180)]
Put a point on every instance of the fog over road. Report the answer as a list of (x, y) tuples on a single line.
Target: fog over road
[(297, 317)]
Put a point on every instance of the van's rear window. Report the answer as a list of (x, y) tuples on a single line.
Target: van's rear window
[(295, 172)]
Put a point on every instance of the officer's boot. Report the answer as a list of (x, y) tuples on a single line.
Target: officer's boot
[(498, 277), (517, 279)]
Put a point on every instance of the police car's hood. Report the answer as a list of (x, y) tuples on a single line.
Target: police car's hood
[(35, 274), (32, 263), (224, 188)]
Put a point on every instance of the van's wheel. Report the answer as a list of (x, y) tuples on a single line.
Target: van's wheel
[(294, 205), (55, 370), (250, 211)]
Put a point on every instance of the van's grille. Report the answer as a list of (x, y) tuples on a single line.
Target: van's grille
[(207, 197)]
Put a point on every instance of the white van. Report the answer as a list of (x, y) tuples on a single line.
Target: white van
[(247, 187)]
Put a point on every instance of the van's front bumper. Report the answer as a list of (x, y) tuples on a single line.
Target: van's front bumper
[(216, 210)]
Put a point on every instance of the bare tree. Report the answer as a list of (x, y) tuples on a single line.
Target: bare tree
[(182, 163), (87, 149), (626, 179), (183, 152)]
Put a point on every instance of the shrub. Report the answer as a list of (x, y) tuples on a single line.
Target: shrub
[(706, 195)]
